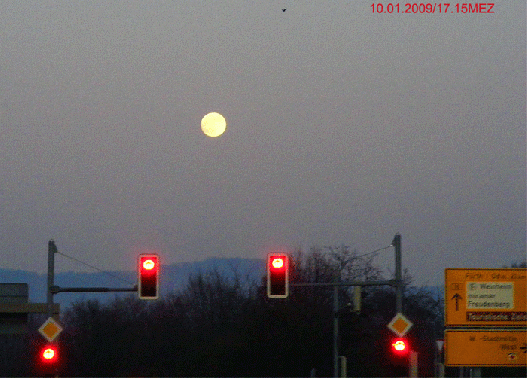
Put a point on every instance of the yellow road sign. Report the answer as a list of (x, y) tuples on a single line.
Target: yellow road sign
[(400, 325), (485, 348), (485, 297), (50, 329)]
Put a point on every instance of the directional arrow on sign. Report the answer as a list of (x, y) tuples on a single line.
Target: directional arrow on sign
[(457, 297)]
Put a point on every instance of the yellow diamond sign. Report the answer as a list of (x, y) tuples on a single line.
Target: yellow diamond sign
[(50, 329), (400, 325)]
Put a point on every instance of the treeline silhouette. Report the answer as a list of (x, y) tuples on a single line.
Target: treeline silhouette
[(226, 326)]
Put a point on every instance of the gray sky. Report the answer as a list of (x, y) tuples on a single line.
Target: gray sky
[(344, 127)]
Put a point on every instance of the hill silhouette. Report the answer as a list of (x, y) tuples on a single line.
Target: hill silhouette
[(173, 278)]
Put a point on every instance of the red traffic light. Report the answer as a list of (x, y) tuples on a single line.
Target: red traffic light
[(277, 262), (48, 360), (148, 276), (400, 346), (277, 275), (148, 264), (49, 354)]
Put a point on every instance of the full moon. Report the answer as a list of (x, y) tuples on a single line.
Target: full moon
[(213, 124)]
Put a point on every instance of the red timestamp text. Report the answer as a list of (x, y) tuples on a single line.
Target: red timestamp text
[(432, 8)]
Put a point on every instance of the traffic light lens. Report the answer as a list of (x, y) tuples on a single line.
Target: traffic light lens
[(278, 263), (399, 345), (149, 264), (49, 354)]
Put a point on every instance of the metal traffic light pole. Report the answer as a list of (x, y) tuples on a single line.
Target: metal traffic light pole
[(53, 289), (336, 331), (397, 283), (396, 242), (52, 249)]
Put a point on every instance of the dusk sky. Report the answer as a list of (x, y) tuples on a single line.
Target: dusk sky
[(344, 127)]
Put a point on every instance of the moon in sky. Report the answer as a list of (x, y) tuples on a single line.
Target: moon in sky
[(213, 124)]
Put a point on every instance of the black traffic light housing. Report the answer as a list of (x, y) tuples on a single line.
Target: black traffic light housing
[(277, 275), (48, 359), (399, 356), (148, 276)]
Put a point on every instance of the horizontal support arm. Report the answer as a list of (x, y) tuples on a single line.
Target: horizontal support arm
[(58, 289), (348, 283)]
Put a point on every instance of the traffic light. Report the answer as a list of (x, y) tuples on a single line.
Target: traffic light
[(49, 354), (400, 347), (277, 275), (148, 276), (48, 361), (399, 357)]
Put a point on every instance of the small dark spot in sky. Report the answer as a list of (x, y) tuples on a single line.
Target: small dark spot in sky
[(283, 10)]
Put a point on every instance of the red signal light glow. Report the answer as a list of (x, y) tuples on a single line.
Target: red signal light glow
[(49, 354), (278, 263), (149, 264), (399, 345)]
